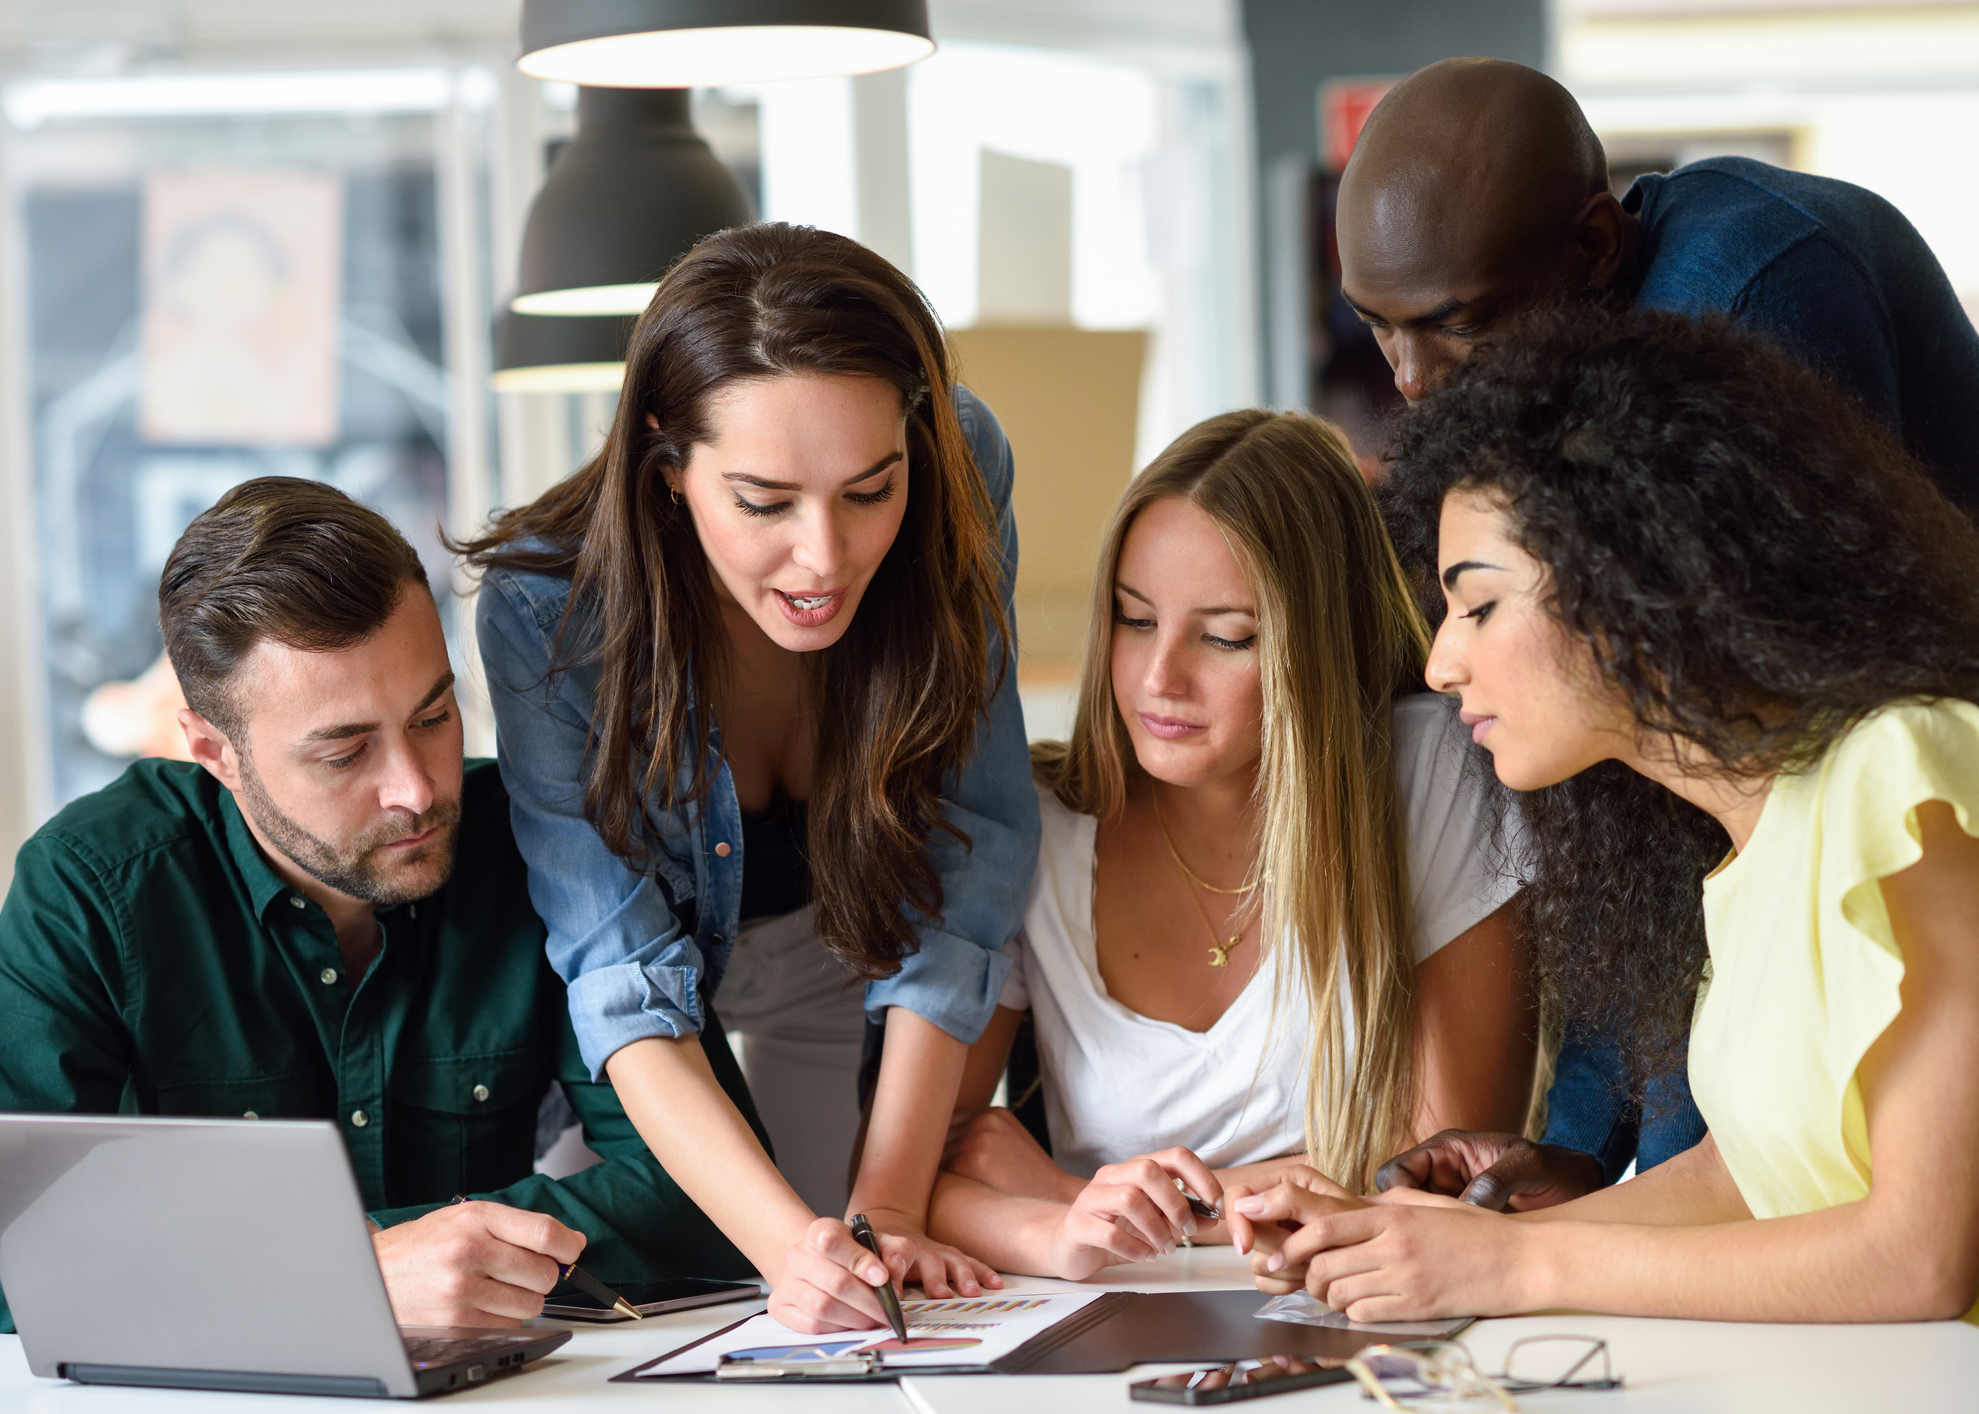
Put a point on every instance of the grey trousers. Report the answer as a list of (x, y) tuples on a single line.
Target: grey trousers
[(795, 1016)]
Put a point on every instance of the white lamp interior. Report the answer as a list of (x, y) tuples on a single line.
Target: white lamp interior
[(723, 54), (560, 378), (588, 299)]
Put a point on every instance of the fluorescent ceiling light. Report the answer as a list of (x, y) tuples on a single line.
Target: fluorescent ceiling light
[(591, 299), (724, 54), (31, 102)]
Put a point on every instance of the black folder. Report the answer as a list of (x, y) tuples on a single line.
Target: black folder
[(1127, 1328)]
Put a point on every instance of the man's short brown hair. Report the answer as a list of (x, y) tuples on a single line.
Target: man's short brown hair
[(283, 558)]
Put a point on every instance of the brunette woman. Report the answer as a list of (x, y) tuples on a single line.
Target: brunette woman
[(757, 653), (1725, 634), (1267, 922)]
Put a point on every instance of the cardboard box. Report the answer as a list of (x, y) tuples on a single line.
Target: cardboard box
[(1069, 400)]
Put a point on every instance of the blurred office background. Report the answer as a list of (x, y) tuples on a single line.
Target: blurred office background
[(240, 237)]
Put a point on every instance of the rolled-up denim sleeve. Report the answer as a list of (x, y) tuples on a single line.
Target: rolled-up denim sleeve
[(632, 971), (956, 977)]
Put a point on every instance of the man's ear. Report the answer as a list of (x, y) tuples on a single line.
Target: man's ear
[(1601, 237), (211, 748)]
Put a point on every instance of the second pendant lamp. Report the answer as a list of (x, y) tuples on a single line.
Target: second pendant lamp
[(623, 200)]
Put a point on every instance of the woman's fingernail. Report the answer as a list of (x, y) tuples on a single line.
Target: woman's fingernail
[(873, 1276), (1251, 1207), (1189, 1226), (1274, 1262)]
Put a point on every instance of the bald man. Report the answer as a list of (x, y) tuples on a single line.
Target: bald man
[(1477, 190)]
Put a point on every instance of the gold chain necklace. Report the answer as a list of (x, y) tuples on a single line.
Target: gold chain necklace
[(1154, 795), (1219, 949)]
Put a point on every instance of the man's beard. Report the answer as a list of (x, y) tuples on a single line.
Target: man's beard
[(357, 871)]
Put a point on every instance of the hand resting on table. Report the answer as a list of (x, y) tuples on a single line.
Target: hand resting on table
[(1497, 1171)]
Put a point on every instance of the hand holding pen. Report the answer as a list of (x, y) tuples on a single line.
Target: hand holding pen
[(1134, 1211), (830, 1280), (889, 1302), (581, 1279), (473, 1264)]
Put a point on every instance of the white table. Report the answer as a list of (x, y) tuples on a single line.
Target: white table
[(1697, 1367)]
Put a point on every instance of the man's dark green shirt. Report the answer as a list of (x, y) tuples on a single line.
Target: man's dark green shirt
[(152, 962)]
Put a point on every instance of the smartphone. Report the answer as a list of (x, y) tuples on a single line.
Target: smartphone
[(1246, 1379), (650, 1298)]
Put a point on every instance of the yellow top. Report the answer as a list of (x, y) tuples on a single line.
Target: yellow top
[(1804, 969)]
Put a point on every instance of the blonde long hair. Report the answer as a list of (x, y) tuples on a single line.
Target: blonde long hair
[(1339, 638)]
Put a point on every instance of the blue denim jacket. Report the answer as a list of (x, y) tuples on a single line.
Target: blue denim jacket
[(631, 968)]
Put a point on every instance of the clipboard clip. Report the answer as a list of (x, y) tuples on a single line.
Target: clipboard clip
[(810, 1364)]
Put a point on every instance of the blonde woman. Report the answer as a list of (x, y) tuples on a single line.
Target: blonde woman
[(1267, 924)]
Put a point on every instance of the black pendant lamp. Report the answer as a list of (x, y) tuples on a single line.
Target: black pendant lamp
[(624, 199), (547, 353), (694, 43)]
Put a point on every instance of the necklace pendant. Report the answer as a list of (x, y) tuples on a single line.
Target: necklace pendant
[(1219, 955)]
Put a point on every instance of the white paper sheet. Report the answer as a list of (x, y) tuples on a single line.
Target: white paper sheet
[(1300, 1309), (995, 1323)]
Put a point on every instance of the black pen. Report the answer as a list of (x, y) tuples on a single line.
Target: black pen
[(589, 1285), (870, 1240)]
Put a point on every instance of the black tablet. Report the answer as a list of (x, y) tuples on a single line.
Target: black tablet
[(651, 1298)]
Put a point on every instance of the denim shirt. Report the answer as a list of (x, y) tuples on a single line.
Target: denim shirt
[(632, 968), (1834, 275)]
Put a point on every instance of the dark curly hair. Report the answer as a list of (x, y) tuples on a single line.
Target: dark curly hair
[(1754, 565)]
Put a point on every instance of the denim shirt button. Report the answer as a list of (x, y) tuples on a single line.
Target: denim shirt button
[(722, 849)]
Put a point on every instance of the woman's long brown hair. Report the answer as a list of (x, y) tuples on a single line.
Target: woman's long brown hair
[(1339, 639), (898, 697)]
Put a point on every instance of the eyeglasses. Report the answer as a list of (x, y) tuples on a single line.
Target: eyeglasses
[(1558, 1362), (1443, 1369)]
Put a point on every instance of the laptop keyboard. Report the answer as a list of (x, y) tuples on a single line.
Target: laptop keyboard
[(427, 1352)]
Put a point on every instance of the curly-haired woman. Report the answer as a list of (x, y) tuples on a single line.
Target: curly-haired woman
[(1700, 609)]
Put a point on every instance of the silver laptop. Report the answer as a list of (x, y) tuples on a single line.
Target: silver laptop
[(213, 1254)]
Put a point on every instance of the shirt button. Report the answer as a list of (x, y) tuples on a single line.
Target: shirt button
[(722, 849), (295, 901), (359, 1118), (481, 1092), (328, 976), (250, 1115)]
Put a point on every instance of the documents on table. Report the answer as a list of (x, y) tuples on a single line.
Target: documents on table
[(967, 1330), (1302, 1309)]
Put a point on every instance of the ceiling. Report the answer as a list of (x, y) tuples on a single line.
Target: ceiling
[(1697, 9)]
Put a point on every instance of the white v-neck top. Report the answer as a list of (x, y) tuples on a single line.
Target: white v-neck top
[(1117, 1083)]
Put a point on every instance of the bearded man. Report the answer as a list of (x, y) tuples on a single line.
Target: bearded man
[(324, 916)]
